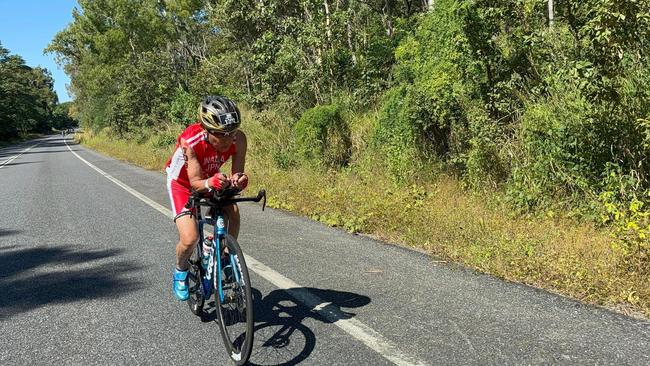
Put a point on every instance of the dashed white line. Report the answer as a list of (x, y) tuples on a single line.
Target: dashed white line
[(17, 156), (357, 329)]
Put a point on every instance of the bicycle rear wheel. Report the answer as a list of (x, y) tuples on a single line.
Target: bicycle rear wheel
[(235, 310), (195, 283)]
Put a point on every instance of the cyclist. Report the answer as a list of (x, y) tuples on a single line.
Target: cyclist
[(200, 152)]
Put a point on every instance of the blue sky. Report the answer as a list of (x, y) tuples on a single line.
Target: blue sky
[(27, 27)]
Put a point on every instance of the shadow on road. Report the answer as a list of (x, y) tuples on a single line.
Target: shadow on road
[(10, 232), (23, 291), (57, 143), (22, 163), (281, 338), (47, 151)]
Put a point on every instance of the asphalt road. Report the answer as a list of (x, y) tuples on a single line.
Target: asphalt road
[(85, 278)]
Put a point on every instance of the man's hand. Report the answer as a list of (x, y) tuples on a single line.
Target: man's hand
[(218, 182), (239, 181)]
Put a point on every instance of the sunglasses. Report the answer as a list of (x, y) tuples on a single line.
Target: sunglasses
[(222, 134)]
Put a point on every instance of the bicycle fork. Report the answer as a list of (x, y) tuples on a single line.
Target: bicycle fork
[(213, 272)]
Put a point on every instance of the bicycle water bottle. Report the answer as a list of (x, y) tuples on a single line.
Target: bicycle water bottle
[(207, 252)]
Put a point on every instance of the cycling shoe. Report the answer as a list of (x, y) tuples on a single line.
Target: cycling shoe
[(181, 291)]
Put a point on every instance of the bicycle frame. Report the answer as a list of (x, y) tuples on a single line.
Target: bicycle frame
[(213, 272), (234, 301)]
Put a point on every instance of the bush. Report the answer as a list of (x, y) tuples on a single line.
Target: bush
[(484, 165), (322, 136), (570, 143), (270, 137), (395, 136), (631, 223), (183, 108), (164, 139), (420, 124), (557, 149)]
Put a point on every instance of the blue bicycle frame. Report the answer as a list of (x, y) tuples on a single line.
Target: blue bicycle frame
[(213, 272), (211, 277), (233, 295)]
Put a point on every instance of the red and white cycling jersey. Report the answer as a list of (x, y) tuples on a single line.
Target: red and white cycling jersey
[(211, 160)]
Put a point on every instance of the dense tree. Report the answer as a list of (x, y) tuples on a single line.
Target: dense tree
[(130, 60), (62, 116), (27, 97), (542, 97)]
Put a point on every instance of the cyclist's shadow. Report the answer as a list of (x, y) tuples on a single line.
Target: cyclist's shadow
[(281, 338)]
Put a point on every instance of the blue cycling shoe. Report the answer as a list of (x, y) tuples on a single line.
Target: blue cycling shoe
[(180, 285)]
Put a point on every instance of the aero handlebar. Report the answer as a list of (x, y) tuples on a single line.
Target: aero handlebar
[(225, 198)]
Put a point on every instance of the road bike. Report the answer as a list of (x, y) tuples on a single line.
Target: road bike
[(223, 274)]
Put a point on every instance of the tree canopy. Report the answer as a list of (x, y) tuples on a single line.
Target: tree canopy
[(27, 97), (540, 98)]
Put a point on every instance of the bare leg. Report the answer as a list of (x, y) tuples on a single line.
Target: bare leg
[(188, 237), (232, 212)]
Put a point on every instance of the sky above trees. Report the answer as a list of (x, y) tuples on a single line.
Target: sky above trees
[(26, 28)]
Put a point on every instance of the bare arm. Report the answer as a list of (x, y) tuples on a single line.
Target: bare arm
[(194, 172), (239, 158)]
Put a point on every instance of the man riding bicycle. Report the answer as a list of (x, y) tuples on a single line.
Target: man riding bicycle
[(200, 152)]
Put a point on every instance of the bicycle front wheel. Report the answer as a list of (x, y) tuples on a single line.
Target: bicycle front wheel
[(235, 304)]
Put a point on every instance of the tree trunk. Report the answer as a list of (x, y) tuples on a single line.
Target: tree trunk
[(248, 83), (329, 47), (308, 16), (550, 13), (388, 16), (328, 22), (350, 45)]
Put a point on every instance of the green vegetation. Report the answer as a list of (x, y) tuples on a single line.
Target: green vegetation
[(323, 136), (398, 115), (28, 103)]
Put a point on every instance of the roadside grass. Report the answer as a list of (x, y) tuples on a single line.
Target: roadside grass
[(435, 215), (445, 221), (145, 154)]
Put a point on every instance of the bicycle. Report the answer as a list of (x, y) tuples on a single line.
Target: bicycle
[(225, 275)]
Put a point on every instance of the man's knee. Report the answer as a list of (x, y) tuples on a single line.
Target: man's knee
[(187, 231), (188, 240)]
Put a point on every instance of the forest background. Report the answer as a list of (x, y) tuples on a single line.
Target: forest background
[(510, 136), (28, 103)]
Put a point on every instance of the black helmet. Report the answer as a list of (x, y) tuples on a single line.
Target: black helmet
[(219, 114)]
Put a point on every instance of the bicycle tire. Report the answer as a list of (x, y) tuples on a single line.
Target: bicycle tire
[(230, 315), (195, 283)]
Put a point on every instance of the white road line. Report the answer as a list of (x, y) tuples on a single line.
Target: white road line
[(357, 329), (368, 336), (16, 156), (162, 209)]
